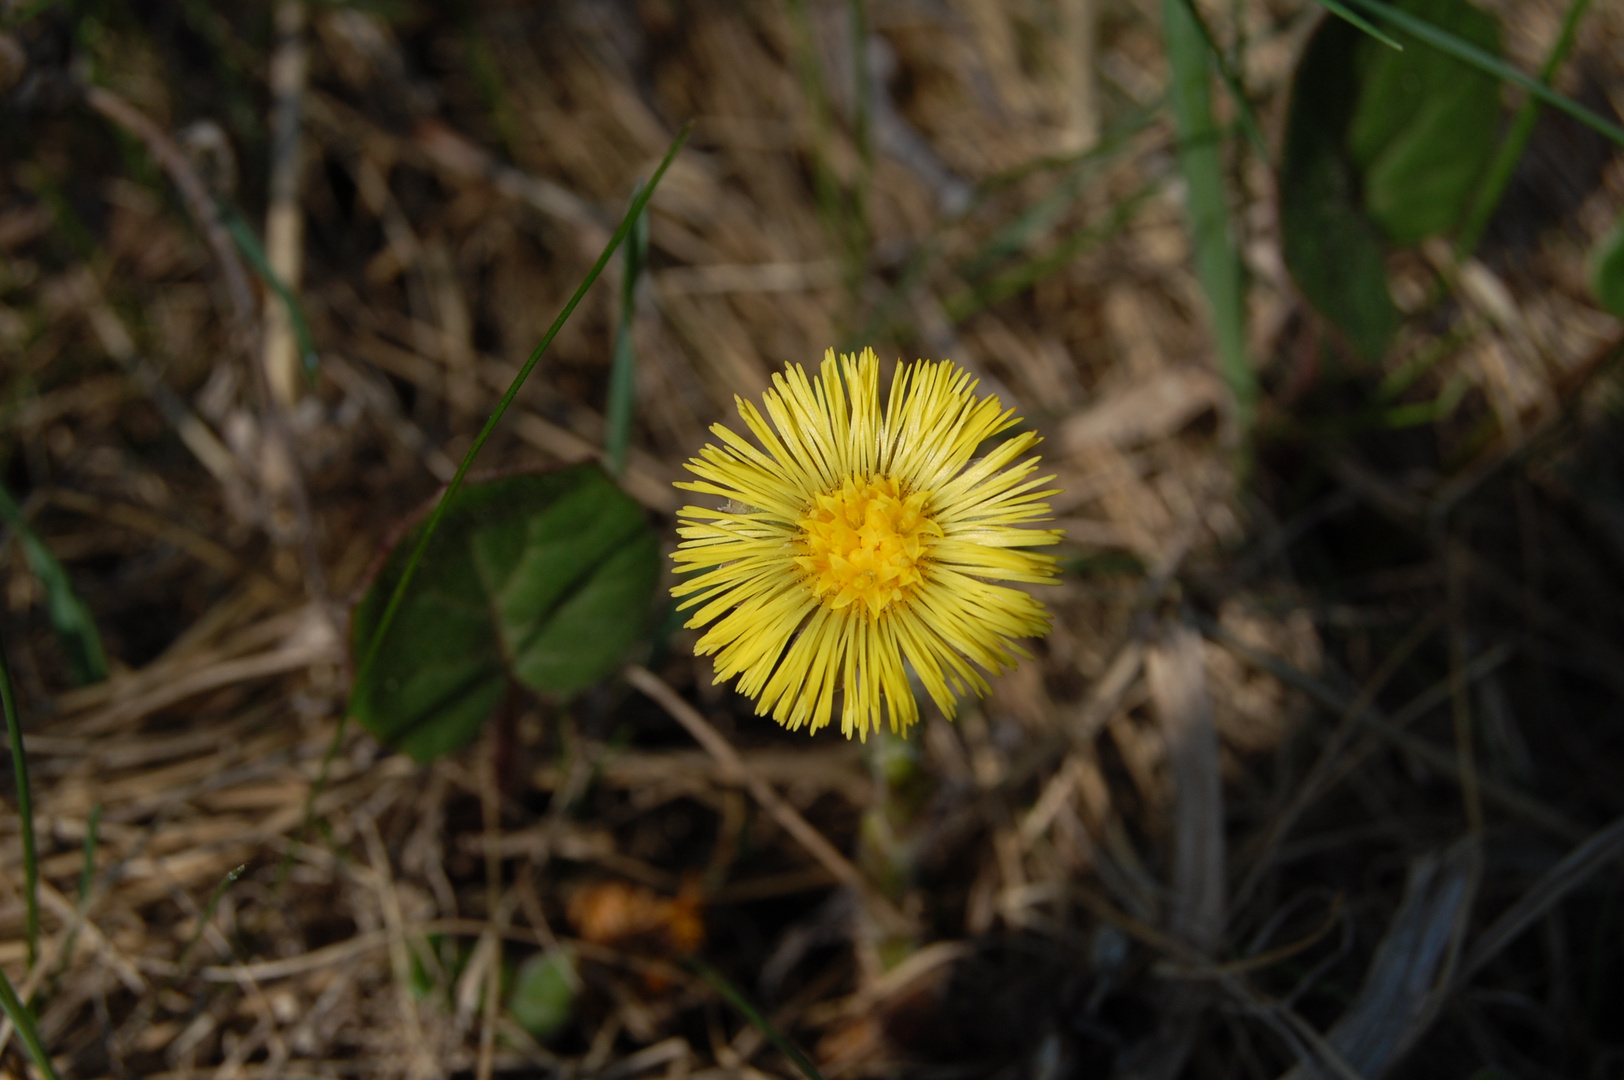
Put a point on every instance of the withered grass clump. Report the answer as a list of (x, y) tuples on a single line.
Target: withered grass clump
[(1315, 775)]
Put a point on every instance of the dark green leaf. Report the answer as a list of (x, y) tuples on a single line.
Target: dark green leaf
[(1424, 126), (1607, 271), (1334, 251), (1381, 146), (545, 579)]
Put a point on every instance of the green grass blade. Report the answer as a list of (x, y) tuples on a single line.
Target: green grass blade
[(69, 616), (1471, 54), (87, 876), (22, 1018), (486, 72), (1112, 141), (249, 245), (208, 912), (1217, 263), (736, 998), (87, 872), (834, 213), (25, 806), (623, 372), (1493, 186), (928, 253), (1019, 278), (1232, 82), (1028, 226), (1342, 11)]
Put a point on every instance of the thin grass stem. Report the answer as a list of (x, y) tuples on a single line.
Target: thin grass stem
[(735, 997), (622, 404), (825, 188), (962, 305), (1342, 11), (69, 616), (25, 807), (1217, 262), (87, 875), (243, 236), (209, 909), (928, 253), (1232, 82), (22, 1018), (1493, 187)]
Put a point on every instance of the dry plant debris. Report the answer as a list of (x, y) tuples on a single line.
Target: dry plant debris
[(1316, 775)]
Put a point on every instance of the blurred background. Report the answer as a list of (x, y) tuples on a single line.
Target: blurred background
[(1318, 773)]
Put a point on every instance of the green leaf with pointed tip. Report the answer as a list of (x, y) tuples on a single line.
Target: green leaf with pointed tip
[(545, 579), (70, 618), (1425, 125), (1333, 250), (1382, 147), (1607, 270)]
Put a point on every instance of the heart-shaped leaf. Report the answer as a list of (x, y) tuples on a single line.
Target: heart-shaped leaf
[(1381, 147), (543, 578)]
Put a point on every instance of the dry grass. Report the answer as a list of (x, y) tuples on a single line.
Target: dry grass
[(1289, 788)]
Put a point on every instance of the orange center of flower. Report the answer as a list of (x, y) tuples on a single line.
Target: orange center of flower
[(864, 541)]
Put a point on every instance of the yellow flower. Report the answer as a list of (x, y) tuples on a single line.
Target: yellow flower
[(859, 540)]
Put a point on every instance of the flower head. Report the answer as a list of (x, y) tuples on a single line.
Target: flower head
[(861, 539)]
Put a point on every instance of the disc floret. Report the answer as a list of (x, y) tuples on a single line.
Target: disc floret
[(864, 543)]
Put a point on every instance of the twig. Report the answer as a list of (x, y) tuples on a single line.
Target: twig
[(115, 338), (1331, 757), (201, 205), (1461, 706), (490, 805), (1178, 690), (782, 812), (417, 1048), (1442, 761), (199, 202), (284, 221), (1567, 875)]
